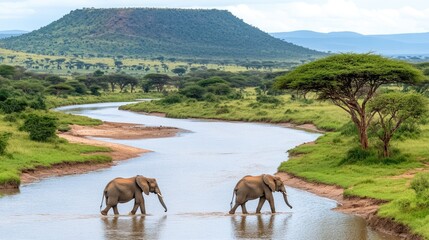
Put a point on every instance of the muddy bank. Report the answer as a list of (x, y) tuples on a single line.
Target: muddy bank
[(363, 207), (118, 152)]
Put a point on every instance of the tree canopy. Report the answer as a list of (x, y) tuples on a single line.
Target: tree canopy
[(350, 81)]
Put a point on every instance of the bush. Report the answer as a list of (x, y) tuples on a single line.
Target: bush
[(12, 105), (10, 118), (172, 99), (222, 110), (420, 184), (4, 139), (267, 99), (40, 127), (357, 155)]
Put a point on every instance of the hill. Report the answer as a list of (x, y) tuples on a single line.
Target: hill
[(390, 44), (150, 32)]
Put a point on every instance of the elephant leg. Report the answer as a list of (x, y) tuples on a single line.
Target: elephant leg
[(106, 210), (142, 207), (136, 205), (260, 204), (243, 208), (271, 202), (232, 211), (115, 210)]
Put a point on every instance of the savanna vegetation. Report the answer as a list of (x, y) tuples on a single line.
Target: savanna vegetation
[(373, 109)]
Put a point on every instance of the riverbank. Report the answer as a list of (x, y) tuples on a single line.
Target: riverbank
[(366, 208), (78, 134)]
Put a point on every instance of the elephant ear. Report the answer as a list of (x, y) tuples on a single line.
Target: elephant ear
[(143, 184), (269, 181)]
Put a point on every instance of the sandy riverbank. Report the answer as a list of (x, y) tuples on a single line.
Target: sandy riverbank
[(118, 152)]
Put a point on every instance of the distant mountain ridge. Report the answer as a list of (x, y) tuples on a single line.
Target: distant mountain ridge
[(389, 44), (11, 33), (151, 32)]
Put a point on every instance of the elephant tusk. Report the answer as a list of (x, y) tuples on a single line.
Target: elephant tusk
[(159, 194)]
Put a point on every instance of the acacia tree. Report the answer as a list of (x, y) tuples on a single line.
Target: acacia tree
[(350, 81), (392, 110), (157, 80)]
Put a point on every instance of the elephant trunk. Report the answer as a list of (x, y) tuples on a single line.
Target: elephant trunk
[(285, 198), (161, 200)]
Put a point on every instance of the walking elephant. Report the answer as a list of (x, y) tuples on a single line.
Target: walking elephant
[(122, 190), (253, 187)]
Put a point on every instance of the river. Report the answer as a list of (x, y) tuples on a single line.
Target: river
[(196, 172)]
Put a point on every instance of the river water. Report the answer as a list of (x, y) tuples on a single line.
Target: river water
[(196, 172)]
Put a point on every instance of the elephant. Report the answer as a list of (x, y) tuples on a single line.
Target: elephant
[(122, 190), (252, 187)]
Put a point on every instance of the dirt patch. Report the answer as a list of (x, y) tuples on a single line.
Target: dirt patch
[(363, 207), (118, 152), (122, 131)]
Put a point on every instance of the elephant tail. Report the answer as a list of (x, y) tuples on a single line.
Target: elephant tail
[(102, 199), (232, 200)]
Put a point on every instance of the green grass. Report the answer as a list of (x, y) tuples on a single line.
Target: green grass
[(322, 162), (321, 114), (22, 154)]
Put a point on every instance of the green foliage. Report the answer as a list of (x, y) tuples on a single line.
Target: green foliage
[(193, 91), (172, 99), (7, 71), (370, 156), (4, 138), (391, 111), (187, 33), (12, 105), (420, 185), (40, 127), (268, 99)]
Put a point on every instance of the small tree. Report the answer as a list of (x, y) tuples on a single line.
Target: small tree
[(40, 127), (392, 110), (350, 81), (179, 71)]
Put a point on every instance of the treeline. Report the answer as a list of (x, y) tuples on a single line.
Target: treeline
[(137, 32)]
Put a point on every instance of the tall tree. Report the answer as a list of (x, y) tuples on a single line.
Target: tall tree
[(350, 81)]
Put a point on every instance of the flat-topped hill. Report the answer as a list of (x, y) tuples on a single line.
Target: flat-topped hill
[(149, 32)]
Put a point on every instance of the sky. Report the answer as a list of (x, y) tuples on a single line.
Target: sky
[(363, 16)]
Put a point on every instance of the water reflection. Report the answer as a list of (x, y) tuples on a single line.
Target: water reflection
[(135, 227), (259, 226)]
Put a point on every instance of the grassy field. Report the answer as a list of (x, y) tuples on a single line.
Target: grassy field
[(23, 154), (21, 57), (387, 179)]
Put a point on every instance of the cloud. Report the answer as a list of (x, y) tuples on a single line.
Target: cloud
[(333, 15)]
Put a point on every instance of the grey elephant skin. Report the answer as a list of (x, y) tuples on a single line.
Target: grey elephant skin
[(253, 187), (122, 190)]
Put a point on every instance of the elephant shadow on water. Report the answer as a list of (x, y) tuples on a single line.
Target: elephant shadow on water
[(259, 226), (135, 227)]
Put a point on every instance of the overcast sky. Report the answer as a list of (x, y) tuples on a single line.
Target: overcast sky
[(363, 16)]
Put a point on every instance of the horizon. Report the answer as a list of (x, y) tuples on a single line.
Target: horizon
[(360, 16)]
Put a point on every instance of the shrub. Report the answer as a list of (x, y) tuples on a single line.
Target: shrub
[(64, 128), (420, 184), (358, 155), (4, 139), (12, 105), (267, 99), (40, 127), (172, 99), (10, 118), (222, 110), (193, 91)]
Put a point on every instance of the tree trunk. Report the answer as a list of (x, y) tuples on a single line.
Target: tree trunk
[(363, 136)]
